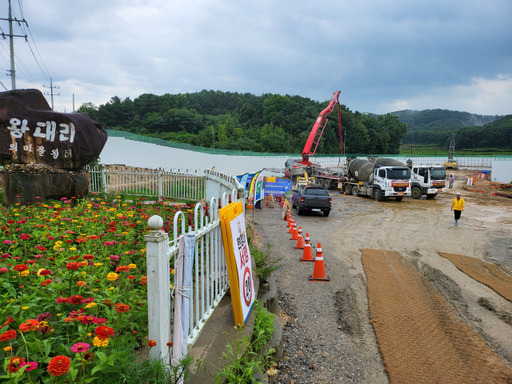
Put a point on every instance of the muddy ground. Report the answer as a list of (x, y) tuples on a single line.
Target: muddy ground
[(354, 329)]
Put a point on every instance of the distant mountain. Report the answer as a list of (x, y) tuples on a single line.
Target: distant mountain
[(441, 119), (436, 126)]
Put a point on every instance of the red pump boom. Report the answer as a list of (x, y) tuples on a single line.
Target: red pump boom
[(321, 121)]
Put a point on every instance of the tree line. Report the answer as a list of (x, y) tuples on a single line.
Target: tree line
[(436, 126), (267, 123)]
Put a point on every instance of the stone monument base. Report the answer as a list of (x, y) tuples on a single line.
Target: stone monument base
[(28, 184)]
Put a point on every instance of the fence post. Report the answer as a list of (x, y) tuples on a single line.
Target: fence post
[(159, 294), (160, 193), (104, 180)]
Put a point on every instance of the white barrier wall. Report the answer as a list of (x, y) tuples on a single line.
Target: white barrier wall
[(119, 150), (502, 171)]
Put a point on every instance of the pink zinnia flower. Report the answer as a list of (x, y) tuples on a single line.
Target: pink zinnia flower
[(31, 366), (80, 347)]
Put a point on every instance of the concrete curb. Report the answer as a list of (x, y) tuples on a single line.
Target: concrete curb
[(220, 331)]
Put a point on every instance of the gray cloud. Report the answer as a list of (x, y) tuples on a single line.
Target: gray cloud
[(382, 55)]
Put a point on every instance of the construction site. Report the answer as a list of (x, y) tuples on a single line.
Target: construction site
[(402, 295)]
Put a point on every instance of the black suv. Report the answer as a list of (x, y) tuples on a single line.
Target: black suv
[(311, 198)]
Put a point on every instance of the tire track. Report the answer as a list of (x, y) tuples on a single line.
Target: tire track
[(420, 338), (488, 274)]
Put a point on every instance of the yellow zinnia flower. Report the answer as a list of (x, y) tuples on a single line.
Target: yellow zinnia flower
[(112, 276), (98, 342)]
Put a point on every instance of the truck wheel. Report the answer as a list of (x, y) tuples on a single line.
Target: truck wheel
[(416, 193), (431, 196), (377, 195), (399, 198), (299, 211), (355, 190), (348, 189), (326, 213)]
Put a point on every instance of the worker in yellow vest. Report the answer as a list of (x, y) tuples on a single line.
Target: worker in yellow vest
[(458, 204)]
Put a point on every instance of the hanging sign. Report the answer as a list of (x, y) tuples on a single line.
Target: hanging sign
[(238, 260)]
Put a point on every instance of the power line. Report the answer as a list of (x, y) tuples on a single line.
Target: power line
[(23, 25), (52, 87)]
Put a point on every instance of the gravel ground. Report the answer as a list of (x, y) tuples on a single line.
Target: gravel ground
[(327, 334), (324, 339)]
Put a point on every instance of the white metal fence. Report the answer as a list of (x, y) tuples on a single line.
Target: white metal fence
[(209, 280), (147, 182)]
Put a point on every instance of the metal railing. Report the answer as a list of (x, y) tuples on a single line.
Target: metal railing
[(146, 182), (209, 270)]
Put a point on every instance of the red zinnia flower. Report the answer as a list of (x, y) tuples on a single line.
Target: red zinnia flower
[(76, 299), (104, 332), (15, 364), (152, 343), (20, 267), (72, 266), (8, 335), (59, 365)]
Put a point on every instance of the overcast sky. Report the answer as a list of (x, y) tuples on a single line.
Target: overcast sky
[(384, 56)]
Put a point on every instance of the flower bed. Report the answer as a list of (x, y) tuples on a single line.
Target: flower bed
[(73, 288)]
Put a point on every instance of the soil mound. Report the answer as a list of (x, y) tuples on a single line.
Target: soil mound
[(488, 274), (420, 338)]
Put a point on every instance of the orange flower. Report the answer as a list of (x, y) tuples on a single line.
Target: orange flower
[(152, 343), (59, 365), (7, 322), (29, 325), (120, 307)]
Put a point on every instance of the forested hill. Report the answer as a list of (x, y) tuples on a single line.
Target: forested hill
[(266, 123), (436, 126), (441, 119)]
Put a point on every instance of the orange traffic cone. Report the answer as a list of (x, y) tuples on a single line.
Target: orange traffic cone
[(290, 219), (483, 191), (300, 240), (295, 233), (307, 255), (319, 269), (476, 189), (494, 193), (291, 226)]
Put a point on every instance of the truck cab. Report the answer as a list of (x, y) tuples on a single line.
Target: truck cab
[(427, 180), (391, 182)]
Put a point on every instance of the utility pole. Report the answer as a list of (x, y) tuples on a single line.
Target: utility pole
[(11, 43), (52, 87)]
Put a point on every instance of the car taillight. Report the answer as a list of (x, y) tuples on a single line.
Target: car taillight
[(330, 200), (302, 199)]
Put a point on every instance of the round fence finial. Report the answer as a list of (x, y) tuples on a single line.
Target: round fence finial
[(155, 223)]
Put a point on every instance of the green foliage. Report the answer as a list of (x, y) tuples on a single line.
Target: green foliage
[(266, 123), (265, 263), (245, 359), (263, 328), (155, 372)]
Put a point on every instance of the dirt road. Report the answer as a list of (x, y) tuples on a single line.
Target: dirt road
[(400, 307)]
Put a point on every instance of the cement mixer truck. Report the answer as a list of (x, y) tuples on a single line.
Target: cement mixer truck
[(376, 179), (426, 180)]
